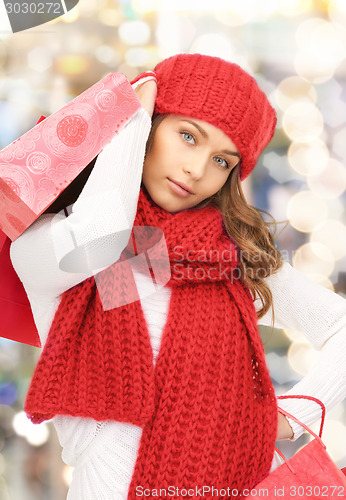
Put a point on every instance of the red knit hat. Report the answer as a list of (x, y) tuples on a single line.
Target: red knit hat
[(222, 94)]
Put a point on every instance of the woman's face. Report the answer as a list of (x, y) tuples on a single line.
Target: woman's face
[(188, 151)]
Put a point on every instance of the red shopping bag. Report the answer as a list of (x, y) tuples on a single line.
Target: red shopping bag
[(310, 473), (16, 320)]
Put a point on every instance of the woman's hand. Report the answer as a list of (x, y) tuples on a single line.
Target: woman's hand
[(284, 429), (146, 93)]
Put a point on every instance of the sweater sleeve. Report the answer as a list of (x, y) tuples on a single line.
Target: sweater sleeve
[(61, 250), (320, 314)]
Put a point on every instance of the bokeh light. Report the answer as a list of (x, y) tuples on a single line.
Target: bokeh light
[(308, 158), (293, 89), (293, 7), (145, 6), (40, 59), (331, 182), (312, 258), (339, 143), (303, 122), (213, 44), (337, 11), (322, 280), (21, 424), (295, 336), (107, 55), (38, 435), (306, 211), (191, 5), (67, 474), (321, 49), (137, 57), (35, 434), (72, 64), (237, 13), (302, 357), (134, 32), (332, 234), (110, 17)]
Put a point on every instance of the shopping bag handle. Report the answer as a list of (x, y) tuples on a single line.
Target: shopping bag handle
[(311, 398), (284, 412), (143, 77)]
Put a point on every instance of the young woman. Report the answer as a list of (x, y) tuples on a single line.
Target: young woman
[(168, 392)]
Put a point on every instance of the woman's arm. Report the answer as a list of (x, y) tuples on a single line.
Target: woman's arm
[(100, 220), (320, 314)]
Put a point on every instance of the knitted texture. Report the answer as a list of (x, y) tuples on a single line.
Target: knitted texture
[(210, 377), (222, 94)]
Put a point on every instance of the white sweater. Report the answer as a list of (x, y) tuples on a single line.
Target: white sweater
[(104, 453)]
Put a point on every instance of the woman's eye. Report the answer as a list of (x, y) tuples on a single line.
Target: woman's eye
[(221, 162), (188, 137)]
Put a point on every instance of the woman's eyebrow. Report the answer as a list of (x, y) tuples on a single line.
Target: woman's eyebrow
[(231, 153), (204, 134), (200, 129)]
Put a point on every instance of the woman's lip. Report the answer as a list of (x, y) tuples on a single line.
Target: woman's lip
[(178, 190)]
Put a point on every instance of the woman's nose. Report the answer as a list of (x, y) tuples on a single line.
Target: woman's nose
[(196, 166)]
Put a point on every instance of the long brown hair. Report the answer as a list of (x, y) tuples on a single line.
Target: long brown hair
[(254, 237)]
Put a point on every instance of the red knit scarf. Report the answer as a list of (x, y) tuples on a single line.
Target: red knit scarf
[(207, 408)]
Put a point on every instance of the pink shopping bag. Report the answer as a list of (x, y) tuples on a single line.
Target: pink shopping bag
[(38, 166)]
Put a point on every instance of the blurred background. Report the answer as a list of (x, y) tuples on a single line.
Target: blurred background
[(296, 50)]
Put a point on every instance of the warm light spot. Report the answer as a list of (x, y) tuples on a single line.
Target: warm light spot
[(302, 357), (308, 158), (312, 258), (303, 122), (305, 211), (331, 182), (293, 7), (134, 33), (292, 89), (72, 64), (332, 234)]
